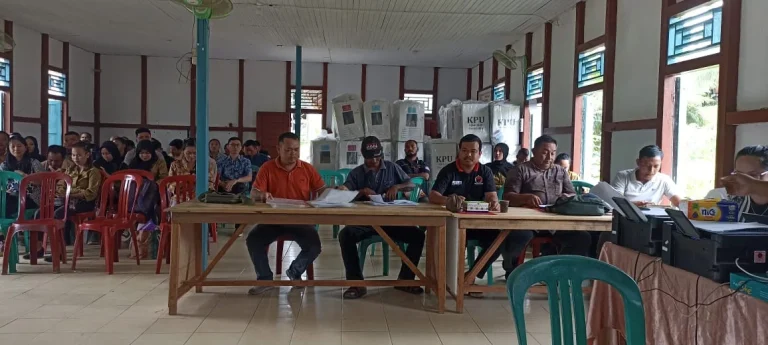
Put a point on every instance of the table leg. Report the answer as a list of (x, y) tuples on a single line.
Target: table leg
[(430, 243), (460, 268), (199, 257), (183, 255), (441, 273)]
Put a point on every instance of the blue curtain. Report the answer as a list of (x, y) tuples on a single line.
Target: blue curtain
[(55, 137)]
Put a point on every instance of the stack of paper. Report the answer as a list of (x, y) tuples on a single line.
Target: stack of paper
[(286, 203), (334, 198), (378, 200)]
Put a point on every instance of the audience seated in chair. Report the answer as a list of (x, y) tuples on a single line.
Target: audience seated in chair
[(378, 177), (186, 164), (235, 170), (18, 160), (110, 160)]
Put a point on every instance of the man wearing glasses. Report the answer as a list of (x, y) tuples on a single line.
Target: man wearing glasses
[(646, 185)]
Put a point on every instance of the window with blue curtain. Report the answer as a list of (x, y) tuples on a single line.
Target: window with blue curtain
[(534, 84), (498, 92), (591, 66), (695, 33)]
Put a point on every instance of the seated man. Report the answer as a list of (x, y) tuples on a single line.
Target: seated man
[(645, 185), (289, 178), (234, 170), (411, 164), (523, 155), (252, 148), (541, 182), (57, 159), (469, 180), (378, 177)]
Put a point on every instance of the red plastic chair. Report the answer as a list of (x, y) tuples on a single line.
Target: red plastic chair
[(183, 191), (79, 218), (46, 222), (110, 226), (535, 244), (138, 172), (279, 254)]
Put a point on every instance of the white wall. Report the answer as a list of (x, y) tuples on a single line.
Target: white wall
[(751, 134), (451, 84), (487, 73), (381, 82), (594, 19), (475, 81), (222, 93), (637, 60), (537, 46), (563, 143), (343, 79), (55, 53), (561, 80), (80, 80), (163, 84), (753, 73), (625, 145), (26, 73), (121, 89), (419, 78), (264, 89), (311, 74)]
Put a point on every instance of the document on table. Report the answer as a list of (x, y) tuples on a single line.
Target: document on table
[(720, 227), (378, 200), (286, 203), (604, 191), (334, 198)]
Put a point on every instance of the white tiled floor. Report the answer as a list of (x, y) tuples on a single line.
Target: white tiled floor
[(129, 307)]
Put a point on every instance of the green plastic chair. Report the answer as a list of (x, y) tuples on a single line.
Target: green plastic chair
[(371, 242), (472, 246), (563, 275), (581, 186), (332, 179), (344, 172), (7, 219)]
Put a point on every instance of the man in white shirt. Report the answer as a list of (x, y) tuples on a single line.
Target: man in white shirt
[(645, 185)]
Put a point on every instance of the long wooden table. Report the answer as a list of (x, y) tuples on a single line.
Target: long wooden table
[(514, 219), (186, 242)]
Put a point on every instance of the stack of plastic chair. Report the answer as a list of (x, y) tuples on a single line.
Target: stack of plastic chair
[(563, 276), (46, 223), (183, 190), (344, 172), (110, 226)]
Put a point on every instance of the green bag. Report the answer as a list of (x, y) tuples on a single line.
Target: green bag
[(224, 198), (580, 205)]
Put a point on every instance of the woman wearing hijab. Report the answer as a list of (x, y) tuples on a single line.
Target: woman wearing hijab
[(33, 148), (110, 159), (500, 166), (149, 196), (147, 159)]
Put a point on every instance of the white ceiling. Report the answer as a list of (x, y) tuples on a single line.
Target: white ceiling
[(446, 33)]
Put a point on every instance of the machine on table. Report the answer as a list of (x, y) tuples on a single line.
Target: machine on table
[(713, 254), (636, 229)]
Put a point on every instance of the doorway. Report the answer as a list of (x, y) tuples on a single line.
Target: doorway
[(592, 135), (55, 125), (311, 126), (695, 130)]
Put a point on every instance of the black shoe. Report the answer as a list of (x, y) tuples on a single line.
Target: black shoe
[(40, 255)]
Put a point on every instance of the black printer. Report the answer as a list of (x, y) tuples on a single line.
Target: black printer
[(713, 254), (634, 229)]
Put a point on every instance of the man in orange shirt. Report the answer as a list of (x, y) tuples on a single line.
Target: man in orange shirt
[(286, 177)]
